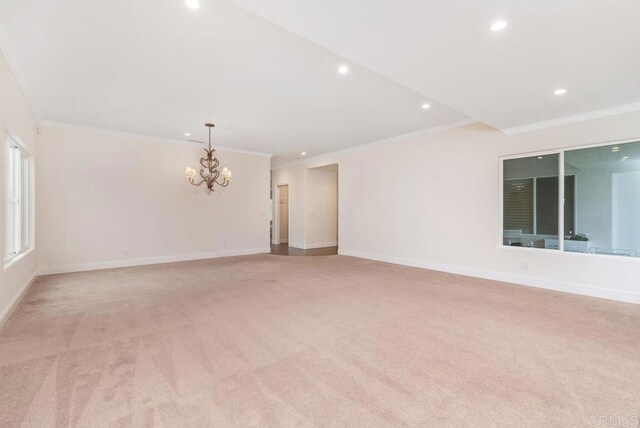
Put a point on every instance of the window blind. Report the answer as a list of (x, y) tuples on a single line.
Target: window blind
[(518, 205), (547, 205), (569, 205)]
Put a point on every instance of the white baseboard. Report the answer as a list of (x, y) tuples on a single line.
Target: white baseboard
[(296, 245), (50, 270), (585, 290), (13, 304)]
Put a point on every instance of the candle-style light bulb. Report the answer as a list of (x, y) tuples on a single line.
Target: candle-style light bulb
[(226, 173)]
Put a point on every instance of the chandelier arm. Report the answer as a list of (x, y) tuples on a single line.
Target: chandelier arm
[(224, 183), (192, 181)]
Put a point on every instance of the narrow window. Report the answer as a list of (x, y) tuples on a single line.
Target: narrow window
[(17, 198)]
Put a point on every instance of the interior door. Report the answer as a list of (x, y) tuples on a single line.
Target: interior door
[(283, 200)]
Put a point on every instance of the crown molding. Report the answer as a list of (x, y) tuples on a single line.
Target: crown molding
[(612, 111), (72, 127), (397, 138), (12, 61)]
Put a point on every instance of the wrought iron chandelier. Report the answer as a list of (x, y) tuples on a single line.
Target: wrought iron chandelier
[(210, 173)]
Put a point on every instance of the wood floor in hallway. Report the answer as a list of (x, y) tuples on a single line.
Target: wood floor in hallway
[(286, 250)]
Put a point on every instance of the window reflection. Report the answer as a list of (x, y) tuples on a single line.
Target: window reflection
[(530, 202), (607, 200)]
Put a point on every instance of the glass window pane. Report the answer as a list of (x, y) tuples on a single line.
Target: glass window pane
[(24, 207), (17, 199), (530, 202), (9, 176), (607, 200)]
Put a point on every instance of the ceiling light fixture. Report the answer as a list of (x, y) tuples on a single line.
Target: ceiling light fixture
[(624, 158), (426, 106), (210, 172), (499, 25), (303, 153), (539, 157), (343, 69), (186, 134), (615, 149), (560, 91), (193, 4)]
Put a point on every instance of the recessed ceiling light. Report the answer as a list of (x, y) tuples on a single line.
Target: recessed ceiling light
[(624, 158), (193, 4), (615, 149), (499, 25), (303, 153), (343, 69), (539, 157), (559, 91), (186, 134), (426, 106)]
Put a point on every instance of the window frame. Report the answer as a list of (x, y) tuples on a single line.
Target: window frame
[(560, 151), (24, 212)]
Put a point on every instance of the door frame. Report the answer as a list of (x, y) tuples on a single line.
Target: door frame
[(276, 212)]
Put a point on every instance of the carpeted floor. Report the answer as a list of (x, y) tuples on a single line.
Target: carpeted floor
[(318, 341)]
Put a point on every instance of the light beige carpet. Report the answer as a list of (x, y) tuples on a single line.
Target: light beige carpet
[(319, 341)]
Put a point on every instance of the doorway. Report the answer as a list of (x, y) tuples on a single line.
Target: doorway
[(315, 221), (282, 236), (321, 208)]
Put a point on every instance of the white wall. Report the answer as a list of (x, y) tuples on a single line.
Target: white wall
[(433, 201), (16, 117), (113, 200), (322, 208)]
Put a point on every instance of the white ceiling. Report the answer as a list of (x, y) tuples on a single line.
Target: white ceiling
[(157, 68), (444, 49), (265, 71)]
